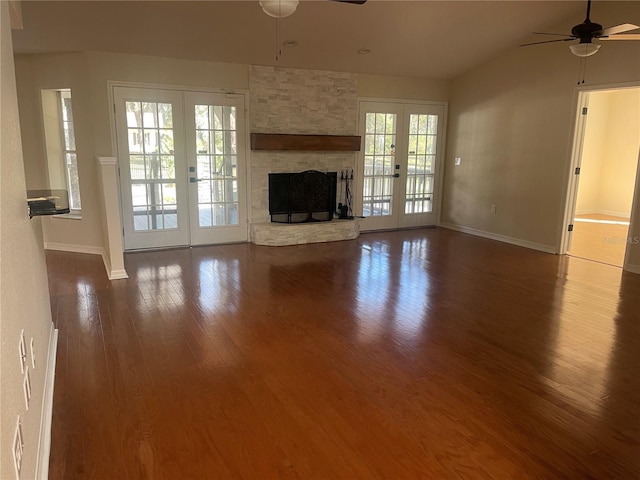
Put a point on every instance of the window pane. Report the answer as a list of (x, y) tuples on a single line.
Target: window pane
[(69, 136), (151, 143), (202, 117), (167, 167), (165, 115), (204, 192), (204, 171), (69, 154), (149, 115), (134, 116), (202, 141), (136, 163), (135, 140), (166, 141), (73, 181), (153, 167), (67, 114)]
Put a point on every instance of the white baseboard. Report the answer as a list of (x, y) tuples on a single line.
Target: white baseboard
[(113, 274), (603, 212), (632, 268), (44, 442), (68, 247), (500, 238)]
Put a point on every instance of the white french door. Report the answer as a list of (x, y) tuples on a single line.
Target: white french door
[(399, 166), (182, 167)]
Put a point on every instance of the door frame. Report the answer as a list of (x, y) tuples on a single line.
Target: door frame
[(575, 161), (442, 140), (111, 84)]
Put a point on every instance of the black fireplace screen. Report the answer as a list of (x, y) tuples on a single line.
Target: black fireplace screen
[(302, 197)]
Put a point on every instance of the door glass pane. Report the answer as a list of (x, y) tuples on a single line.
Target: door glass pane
[(379, 161), (150, 133), (216, 147), (423, 130)]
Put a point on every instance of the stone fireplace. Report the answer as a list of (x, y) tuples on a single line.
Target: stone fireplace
[(292, 101)]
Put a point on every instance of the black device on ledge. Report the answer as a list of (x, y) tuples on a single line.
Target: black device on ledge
[(47, 202)]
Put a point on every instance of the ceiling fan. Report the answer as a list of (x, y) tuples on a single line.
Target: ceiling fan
[(588, 31), (280, 9), (284, 8)]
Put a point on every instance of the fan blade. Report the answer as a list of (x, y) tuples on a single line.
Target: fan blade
[(625, 27), (548, 41), (558, 34), (355, 2), (628, 36)]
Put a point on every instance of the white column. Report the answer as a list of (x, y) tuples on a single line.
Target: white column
[(112, 222)]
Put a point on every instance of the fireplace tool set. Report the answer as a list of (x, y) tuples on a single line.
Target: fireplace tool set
[(345, 206)]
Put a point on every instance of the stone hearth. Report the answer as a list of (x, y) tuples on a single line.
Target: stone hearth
[(282, 234)]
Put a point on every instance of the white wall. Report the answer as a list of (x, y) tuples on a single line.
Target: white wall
[(511, 121), (610, 153), (87, 75), (24, 303)]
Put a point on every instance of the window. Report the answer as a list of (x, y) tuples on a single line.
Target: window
[(69, 149), (62, 160)]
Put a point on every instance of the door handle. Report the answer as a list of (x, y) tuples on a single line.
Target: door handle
[(194, 179), (396, 175)]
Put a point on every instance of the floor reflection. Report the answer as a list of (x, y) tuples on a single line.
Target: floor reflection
[(159, 284), (392, 297), (218, 283), (374, 286)]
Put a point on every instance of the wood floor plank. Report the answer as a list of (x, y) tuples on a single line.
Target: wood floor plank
[(400, 355)]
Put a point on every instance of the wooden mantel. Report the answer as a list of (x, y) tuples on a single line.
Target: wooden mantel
[(327, 143)]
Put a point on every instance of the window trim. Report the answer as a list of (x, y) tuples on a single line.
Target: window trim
[(60, 95)]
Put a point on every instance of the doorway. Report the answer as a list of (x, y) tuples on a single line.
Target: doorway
[(399, 168), (181, 156), (606, 175)]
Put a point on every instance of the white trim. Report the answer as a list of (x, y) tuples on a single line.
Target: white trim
[(68, 247), (603, 212), (401, 107), (44, 442), (113, 274), (575, 158), (107, 160), (632, 269), (633, 227), (500, 238), (404, 101), (116, 274), (608, 86)]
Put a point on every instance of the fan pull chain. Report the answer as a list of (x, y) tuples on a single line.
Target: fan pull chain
[(278, 39), (582, 71)]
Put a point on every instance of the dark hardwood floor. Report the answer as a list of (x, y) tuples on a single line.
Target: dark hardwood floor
[(421, 354)]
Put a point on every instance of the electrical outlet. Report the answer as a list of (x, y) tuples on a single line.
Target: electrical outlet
[(22, 352), (493, 208), (457, 161), (18, 448)]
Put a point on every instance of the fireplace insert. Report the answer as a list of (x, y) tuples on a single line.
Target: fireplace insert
[(302, 197)]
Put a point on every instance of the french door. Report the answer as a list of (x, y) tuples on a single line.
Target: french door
[(182, 167), (399, 166)]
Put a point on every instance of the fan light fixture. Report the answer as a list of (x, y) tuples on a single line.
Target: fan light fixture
[(584, 49), (279, 8)]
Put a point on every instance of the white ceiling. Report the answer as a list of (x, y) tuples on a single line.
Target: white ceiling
[(431, 39)]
